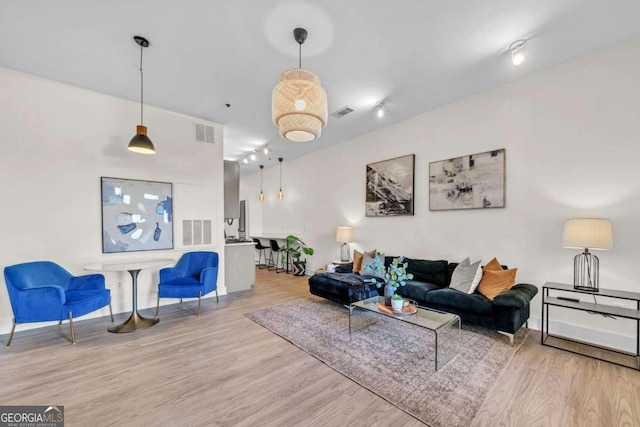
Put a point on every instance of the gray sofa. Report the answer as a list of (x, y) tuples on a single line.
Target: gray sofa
[(507, 313)]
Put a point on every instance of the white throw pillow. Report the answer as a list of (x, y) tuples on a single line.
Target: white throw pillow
[(466, 276)]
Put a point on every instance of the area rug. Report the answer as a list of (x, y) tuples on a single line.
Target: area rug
[(395, 360)]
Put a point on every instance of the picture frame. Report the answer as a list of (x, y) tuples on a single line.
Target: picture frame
[(475, 181), (137, 215), (390, 187)]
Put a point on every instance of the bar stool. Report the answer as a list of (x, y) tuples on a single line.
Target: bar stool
[(261, 251), (275, 249)]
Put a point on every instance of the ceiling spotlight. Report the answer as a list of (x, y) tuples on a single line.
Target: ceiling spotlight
[(253, 155), (517, 51), (265, 150), (245, 160), (379, 110)]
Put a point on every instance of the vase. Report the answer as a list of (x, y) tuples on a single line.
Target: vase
[(388, 293)]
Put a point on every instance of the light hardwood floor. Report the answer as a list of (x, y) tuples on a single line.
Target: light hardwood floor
[(224, 369)]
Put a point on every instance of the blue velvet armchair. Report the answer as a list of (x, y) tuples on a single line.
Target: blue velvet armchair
[(43, 291), (195, 275)]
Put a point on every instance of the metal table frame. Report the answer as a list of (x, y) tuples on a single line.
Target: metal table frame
[(597, 308)]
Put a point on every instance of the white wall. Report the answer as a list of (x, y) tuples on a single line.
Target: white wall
[(572, 139), (57, 141)]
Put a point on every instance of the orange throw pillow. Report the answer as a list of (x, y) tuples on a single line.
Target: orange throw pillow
[(495, 282), (357, 261), (494, 264)]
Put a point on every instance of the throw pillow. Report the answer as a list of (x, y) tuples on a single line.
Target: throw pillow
[(373, 265), (494, 264), (466, 276), (357, 259), (495, 282)]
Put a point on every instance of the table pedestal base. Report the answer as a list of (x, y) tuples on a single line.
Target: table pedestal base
[(133, 323)]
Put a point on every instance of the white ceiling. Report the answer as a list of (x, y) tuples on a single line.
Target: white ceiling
[(412, 54)]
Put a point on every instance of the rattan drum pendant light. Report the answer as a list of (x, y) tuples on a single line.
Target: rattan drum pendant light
[(299, 103), (141, 143)]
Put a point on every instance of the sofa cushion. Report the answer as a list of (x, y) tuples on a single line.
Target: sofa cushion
[(434, 272), (416, 290), (451, 298)]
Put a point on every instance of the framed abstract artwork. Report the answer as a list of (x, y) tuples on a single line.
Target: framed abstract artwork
[(136, 215), (476, 181), (390, 187)]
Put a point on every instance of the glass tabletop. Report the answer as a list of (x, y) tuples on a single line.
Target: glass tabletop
[(424, 317)]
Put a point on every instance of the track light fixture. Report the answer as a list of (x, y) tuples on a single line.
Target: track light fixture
[(517, 51), (141, 143), (380, 112), (252, 156), (265, 150)]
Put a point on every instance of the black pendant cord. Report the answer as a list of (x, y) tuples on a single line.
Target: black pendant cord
[(141, 89), (300, 55)]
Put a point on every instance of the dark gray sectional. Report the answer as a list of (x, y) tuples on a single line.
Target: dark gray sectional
[(430, 288)]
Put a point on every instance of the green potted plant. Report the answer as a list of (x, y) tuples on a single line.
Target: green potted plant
[(294, 250), (396, 302)]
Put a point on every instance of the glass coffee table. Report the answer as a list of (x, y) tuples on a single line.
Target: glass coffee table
[(445, 326)]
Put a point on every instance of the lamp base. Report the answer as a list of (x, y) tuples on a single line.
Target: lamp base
[(345, 252), (586, 270)]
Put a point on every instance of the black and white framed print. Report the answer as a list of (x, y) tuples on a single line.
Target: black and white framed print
[(390, 187), (475, 181)]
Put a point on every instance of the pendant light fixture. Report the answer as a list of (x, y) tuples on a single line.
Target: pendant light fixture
[(280, 193), (141, 143), (299, 103), (261, 196)]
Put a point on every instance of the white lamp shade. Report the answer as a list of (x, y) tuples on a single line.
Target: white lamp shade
[(345, 234), (589, 233)]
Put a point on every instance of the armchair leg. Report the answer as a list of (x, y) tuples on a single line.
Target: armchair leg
[(59, 322), (13, 328), (199, 301), (217, 300), (73, 334), (110, 311)]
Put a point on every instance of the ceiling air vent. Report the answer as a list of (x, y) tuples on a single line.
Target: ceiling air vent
[(204, 133), (342, 112)]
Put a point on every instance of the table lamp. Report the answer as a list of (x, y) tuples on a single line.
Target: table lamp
[(587, 233), (345, 236)]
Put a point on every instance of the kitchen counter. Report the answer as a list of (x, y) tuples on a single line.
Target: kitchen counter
[(239, 266)]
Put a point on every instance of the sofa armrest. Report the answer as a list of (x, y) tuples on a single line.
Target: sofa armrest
[(209, 278), (86, 282), (517, 297)]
